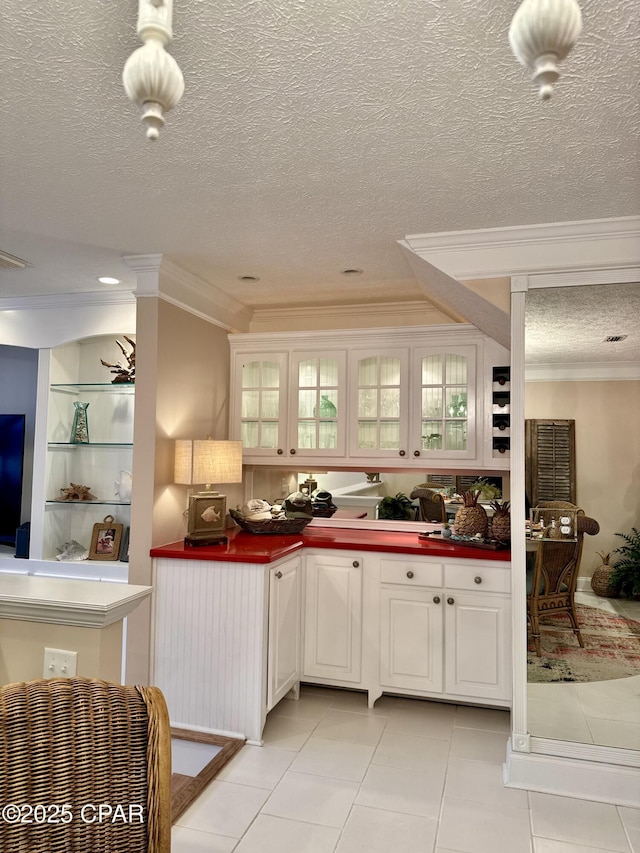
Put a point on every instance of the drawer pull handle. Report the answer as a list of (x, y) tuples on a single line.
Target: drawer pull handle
[(416, 453), (402, 453), (280, 451), (293, 451), (409, 574), (477, 579), (436, 599), (451, 601), (278, 575), (356, 564)]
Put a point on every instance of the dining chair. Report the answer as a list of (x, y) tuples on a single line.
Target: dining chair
[(551, 582), (431, 503), (88, 764)]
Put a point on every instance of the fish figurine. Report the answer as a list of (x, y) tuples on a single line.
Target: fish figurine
[(210, 514)]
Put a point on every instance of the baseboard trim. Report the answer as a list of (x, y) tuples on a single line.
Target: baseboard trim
[(583, 780)]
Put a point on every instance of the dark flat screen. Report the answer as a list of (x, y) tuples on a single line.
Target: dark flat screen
[(11, 468)]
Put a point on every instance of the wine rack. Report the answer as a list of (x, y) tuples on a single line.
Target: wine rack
[(501, 412)]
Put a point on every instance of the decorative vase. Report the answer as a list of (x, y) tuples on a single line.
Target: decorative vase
[(123, 486), (326, 408), (80, 428)]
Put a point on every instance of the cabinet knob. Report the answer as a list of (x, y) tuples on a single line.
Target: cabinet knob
[(278, 575), (356, 564), (451, 601), (293, 451), (280, 451), (416, 453), (409, 574), (477, 579), (402, 453), (436, 599)]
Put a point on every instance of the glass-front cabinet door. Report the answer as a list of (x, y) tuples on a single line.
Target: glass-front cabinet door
[(444, 394), (317, 406), (263, 403), (379, 392)]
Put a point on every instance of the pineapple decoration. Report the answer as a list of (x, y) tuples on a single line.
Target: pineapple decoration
[(471, 518), (501, 521)]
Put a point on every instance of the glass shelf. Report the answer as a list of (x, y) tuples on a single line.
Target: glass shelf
[(86, 503), (56, 444), (71, 387)]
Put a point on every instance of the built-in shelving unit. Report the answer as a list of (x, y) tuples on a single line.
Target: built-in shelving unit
[(72, 373)]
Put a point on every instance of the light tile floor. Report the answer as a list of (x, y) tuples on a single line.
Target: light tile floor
[(409, 776), (602, 712)]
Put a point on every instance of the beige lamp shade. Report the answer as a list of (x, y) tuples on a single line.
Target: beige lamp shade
[(207, 461)]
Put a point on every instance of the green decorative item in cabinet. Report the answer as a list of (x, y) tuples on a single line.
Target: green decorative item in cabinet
[(80, 428), (326, 409)]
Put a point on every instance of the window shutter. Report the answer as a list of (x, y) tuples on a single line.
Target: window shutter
[(550, 459)]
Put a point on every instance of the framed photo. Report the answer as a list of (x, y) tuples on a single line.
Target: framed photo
[(105, 540), (124, 547)]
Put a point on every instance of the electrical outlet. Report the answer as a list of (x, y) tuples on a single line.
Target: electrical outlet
[(59, 663)]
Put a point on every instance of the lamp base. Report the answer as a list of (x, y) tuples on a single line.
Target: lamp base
[(193, 542)]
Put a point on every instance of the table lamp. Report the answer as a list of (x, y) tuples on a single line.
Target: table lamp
[(207, 461)]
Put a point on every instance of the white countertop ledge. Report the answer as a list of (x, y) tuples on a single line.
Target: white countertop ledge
[(59, 601)]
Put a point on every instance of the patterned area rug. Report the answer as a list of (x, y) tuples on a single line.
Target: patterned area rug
[(612, 648)]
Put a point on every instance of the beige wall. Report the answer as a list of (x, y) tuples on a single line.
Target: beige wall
[(182, 391), (22, 647), (607, 415)]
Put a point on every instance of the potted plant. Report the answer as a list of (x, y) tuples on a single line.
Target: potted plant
[(398, 508), (625, 577)]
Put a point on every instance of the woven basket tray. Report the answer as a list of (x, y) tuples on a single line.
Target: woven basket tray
[(285, 526)]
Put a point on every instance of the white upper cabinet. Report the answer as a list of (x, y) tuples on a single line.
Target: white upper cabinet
[(261, 387), (419, 395), (289, 405), (317, 406), (444, 397), (379, 416)]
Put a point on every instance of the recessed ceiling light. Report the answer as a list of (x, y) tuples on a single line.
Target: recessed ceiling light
[(106, 279), (248, 278), (351, 271)]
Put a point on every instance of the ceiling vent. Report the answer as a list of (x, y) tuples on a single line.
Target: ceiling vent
[(10, 262), (613, 339)]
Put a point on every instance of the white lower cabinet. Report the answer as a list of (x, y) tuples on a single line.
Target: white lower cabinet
[(333, 617), (283, 666), (411, 639), (444, 629)]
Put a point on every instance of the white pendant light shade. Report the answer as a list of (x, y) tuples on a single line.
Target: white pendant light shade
[(541, 35), (151, 76)]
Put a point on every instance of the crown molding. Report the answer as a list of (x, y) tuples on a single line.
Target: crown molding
[(591, 244), (624, 371), (270, 341), (199, 297), (379, 311), (68, 300)]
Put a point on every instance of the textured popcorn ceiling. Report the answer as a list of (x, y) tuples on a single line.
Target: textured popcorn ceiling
[(571, 324), (311, 137)]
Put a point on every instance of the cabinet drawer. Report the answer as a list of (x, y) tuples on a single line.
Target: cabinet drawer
[(411, 572), (478, 577)]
